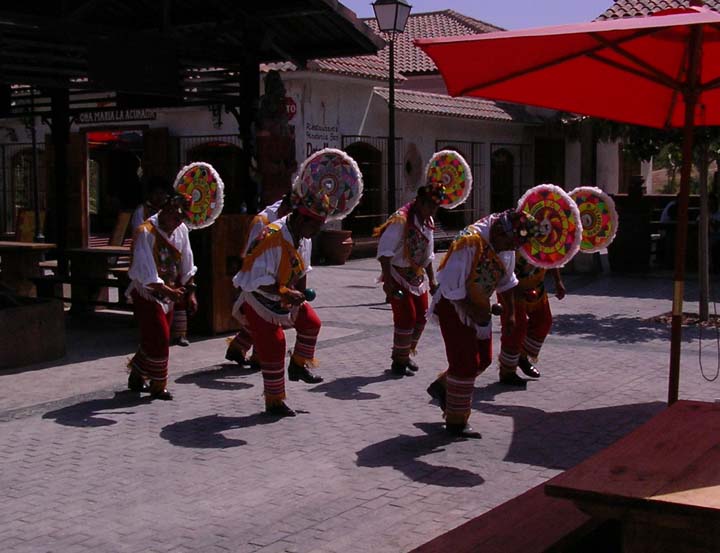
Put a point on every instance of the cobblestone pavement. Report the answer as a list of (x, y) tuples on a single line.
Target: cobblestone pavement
[(365, 466)]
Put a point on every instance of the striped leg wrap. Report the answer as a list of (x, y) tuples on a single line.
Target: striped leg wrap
[(508, 361), (154, 369), (532, 347), (459, 399), (417, 333), (274, 382), (304, 351), (402, 340), (179, 323)]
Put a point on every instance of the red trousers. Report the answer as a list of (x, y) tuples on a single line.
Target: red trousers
[(532, 325), (409, 319), (269, 343), (467, 357), (151, 359)]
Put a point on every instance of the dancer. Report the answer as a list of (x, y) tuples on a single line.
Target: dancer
[(520, 347), (161, 274), (241, 343), (406, 253), (480, 262), (273, 276)]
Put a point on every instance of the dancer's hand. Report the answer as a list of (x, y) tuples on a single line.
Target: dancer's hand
[(292, 297), (390, 288), (479, 315)]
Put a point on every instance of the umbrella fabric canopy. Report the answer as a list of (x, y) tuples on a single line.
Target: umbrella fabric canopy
[(630, 70), (661, 71)]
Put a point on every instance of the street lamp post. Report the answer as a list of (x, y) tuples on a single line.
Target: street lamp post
[(391, 16)]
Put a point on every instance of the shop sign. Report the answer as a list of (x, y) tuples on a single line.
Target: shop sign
[(321, 136), (116, 116)]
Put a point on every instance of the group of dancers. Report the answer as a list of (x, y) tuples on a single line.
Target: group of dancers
[(273, 296)]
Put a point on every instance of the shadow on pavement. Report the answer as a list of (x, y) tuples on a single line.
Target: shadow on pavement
[(403, 453), (219, 377), (87, 413), (562, 439), (622, 330), (349, 388), (206, 432)]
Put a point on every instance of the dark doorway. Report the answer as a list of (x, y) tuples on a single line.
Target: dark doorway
[(368, 214), (226, 158), (114, 158), (502, 179), (550, 161)]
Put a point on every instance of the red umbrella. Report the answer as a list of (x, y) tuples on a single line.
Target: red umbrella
[(661, 71)]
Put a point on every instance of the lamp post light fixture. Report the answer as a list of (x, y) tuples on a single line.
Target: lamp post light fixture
[(391, 17)]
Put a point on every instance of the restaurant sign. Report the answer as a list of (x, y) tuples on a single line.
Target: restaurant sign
[(116, 115)]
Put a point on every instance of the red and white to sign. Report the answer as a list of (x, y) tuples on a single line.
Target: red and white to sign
[(290, 107)]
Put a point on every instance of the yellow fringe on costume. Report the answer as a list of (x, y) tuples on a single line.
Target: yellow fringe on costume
[(292, 265), (305, 361), (274, 400), (477, 289)]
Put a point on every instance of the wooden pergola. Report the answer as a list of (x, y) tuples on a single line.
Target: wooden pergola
[(61, 55)]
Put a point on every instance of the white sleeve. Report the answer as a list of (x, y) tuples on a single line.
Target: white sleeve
[(138, 217), (187, 261), (390, 240), (453, 276), (253, 233), (306, 253), (262, 273), (431, 245), (143, 268), (509, 280)]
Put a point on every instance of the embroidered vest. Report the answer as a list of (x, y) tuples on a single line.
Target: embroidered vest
[(531, 285), (415, 243), (167, 257), (292, 266), (487, 267)]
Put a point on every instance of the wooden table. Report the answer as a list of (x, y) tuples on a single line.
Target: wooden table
[(662, 482), (20, 263), (88, 265)]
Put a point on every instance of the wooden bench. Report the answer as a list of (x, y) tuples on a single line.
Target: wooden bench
[(50, 286), (529, 523)]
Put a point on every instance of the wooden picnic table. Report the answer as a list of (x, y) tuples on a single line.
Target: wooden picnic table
[(20, 264), (662, 482), (90, 270)]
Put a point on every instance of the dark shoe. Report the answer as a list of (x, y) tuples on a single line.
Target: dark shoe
[(162, 394), (528, 368), (412, 365), (181, 341), (512, 379), (254, 363), (462, 431), (400, 369), (136, 383), (281, 410), (300, 372), (437, 392), (236, 357)]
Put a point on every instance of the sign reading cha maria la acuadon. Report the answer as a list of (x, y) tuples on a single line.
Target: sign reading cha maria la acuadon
[(116, 115)]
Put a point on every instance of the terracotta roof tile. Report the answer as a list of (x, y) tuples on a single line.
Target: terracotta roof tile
[(409, 60), (471, 108), (636, 8)]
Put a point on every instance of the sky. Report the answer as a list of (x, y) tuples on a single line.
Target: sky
[(508, 14)]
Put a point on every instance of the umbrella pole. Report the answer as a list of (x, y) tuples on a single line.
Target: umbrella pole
[(690, 96)]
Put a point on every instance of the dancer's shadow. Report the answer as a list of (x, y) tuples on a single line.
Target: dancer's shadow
[(349, 387), (562, 439), (206, 432), (219, 377), (404, 453), (87, 413)]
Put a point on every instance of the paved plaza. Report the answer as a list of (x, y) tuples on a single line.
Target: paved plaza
[(364, 467)]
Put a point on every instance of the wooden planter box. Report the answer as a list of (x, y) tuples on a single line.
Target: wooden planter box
[(32, 332)]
